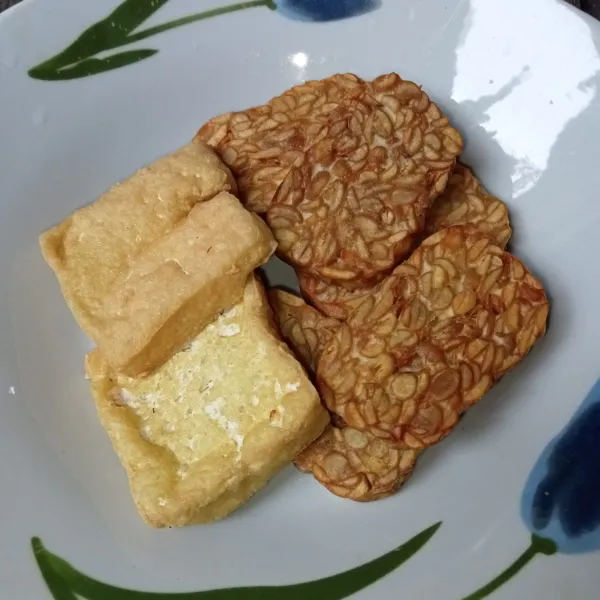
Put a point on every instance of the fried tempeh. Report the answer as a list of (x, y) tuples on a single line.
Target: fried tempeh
[(433, 338)]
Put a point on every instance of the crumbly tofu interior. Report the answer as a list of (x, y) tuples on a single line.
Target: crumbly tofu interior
[(98, 242), (215, 422)]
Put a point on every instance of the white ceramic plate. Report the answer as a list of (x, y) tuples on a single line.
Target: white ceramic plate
[(520, 80)]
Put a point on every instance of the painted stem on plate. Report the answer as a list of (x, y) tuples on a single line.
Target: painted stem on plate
[(215, 12), (539, 545)]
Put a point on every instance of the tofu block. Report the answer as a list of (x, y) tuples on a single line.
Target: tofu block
[(179, 284), (213, 424), (93, 246)]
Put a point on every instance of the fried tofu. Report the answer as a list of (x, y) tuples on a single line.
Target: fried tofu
[(214, 423), (179, 284), (96, 243), (133, 264)]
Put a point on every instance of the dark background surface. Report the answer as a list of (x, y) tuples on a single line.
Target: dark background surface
[(591, 7)]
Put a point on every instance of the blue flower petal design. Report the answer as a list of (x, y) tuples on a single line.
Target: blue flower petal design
[(561, 500), (325, 10)]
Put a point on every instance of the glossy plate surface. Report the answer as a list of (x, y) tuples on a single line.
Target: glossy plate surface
[(520, 80)]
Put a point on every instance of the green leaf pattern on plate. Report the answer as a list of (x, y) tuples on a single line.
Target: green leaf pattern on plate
[(118, 29), (91, 66), (67, 583)]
